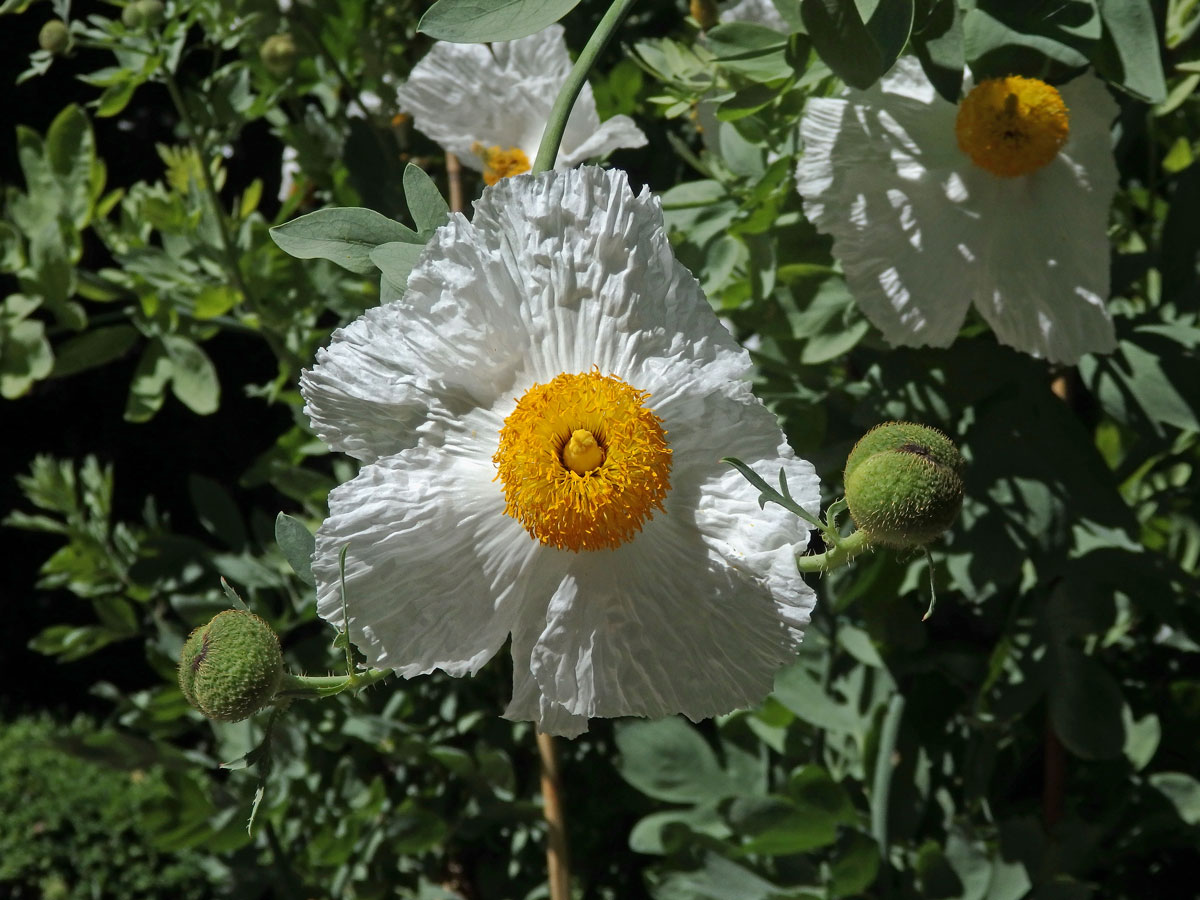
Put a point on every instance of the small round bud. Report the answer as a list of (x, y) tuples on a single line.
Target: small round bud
[(231, 668), (131, 16), (151, 11), (54, 37), (904, 484), (278, 54)]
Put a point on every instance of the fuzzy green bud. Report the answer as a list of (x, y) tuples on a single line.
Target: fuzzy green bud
[(231, 668), (142, 14), (904, 484), (54, 37), (278, 54)]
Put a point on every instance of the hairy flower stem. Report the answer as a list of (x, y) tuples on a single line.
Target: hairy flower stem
[(558, 870), (565, 102), (317, 687), (838, 555)]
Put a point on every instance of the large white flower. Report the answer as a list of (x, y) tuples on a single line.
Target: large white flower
[(923, 231), (542, 418), (490, 106)]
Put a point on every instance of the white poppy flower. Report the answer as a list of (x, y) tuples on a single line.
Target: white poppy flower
[(490, 106), (922, 230), (542, 417)]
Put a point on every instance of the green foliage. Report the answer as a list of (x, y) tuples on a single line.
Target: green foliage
[(1036, 738), (73, 826)]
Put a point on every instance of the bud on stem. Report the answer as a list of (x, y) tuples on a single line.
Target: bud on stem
[(904, 484), (231, 668)]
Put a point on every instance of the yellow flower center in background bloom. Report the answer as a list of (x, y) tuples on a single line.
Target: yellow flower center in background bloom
[(499, 163), (583, 461), (1012, 126)]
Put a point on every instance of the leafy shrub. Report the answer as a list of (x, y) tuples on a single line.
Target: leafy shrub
[(71, 828)]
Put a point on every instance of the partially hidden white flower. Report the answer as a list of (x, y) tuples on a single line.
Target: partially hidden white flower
[(542, 418), (489, 106), (756, 12), (923, 231), (289, 170)]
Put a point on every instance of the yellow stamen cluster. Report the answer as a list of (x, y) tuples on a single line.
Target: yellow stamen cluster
[(1012, 126), (500, 163), (583, 461)]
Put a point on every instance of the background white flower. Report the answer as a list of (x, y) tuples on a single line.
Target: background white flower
[(922, 232), (560, 273), (758, 12), (471, 98)]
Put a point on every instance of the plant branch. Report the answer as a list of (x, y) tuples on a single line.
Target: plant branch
[(558, 869), (565, 102)]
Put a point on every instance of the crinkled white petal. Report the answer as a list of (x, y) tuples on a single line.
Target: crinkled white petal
[(562, 272), (435, 572), (921, 232), (695, 616), (461, 95)]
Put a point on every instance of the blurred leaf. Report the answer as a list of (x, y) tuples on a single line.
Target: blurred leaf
[(480, 21), (1130, 53), (1085, 705), (149, 381), (859, 50), (193, 376), (669, 760), (93, 348), (297, 545), (217, 511), (1183, 791)]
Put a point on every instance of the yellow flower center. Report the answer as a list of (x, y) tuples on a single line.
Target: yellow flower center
[(499, 163), (1012, 126), (583, 461)]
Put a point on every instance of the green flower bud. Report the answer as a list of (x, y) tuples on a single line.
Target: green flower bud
[(904, 484), (151, 11), (231, 668), (131, 16), (54, 37), (278, 54)]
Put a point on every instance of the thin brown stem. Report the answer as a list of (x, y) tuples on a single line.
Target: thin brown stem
[(454, 179), (557, 867)]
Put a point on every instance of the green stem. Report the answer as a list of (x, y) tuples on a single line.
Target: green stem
[(565, 102), (836, 556), (210, 189), (881, 784), (317, 687)]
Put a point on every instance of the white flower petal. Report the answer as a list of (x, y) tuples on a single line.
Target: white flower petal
[(435, 572), (921, 232), (461, 95), (638, 632)]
